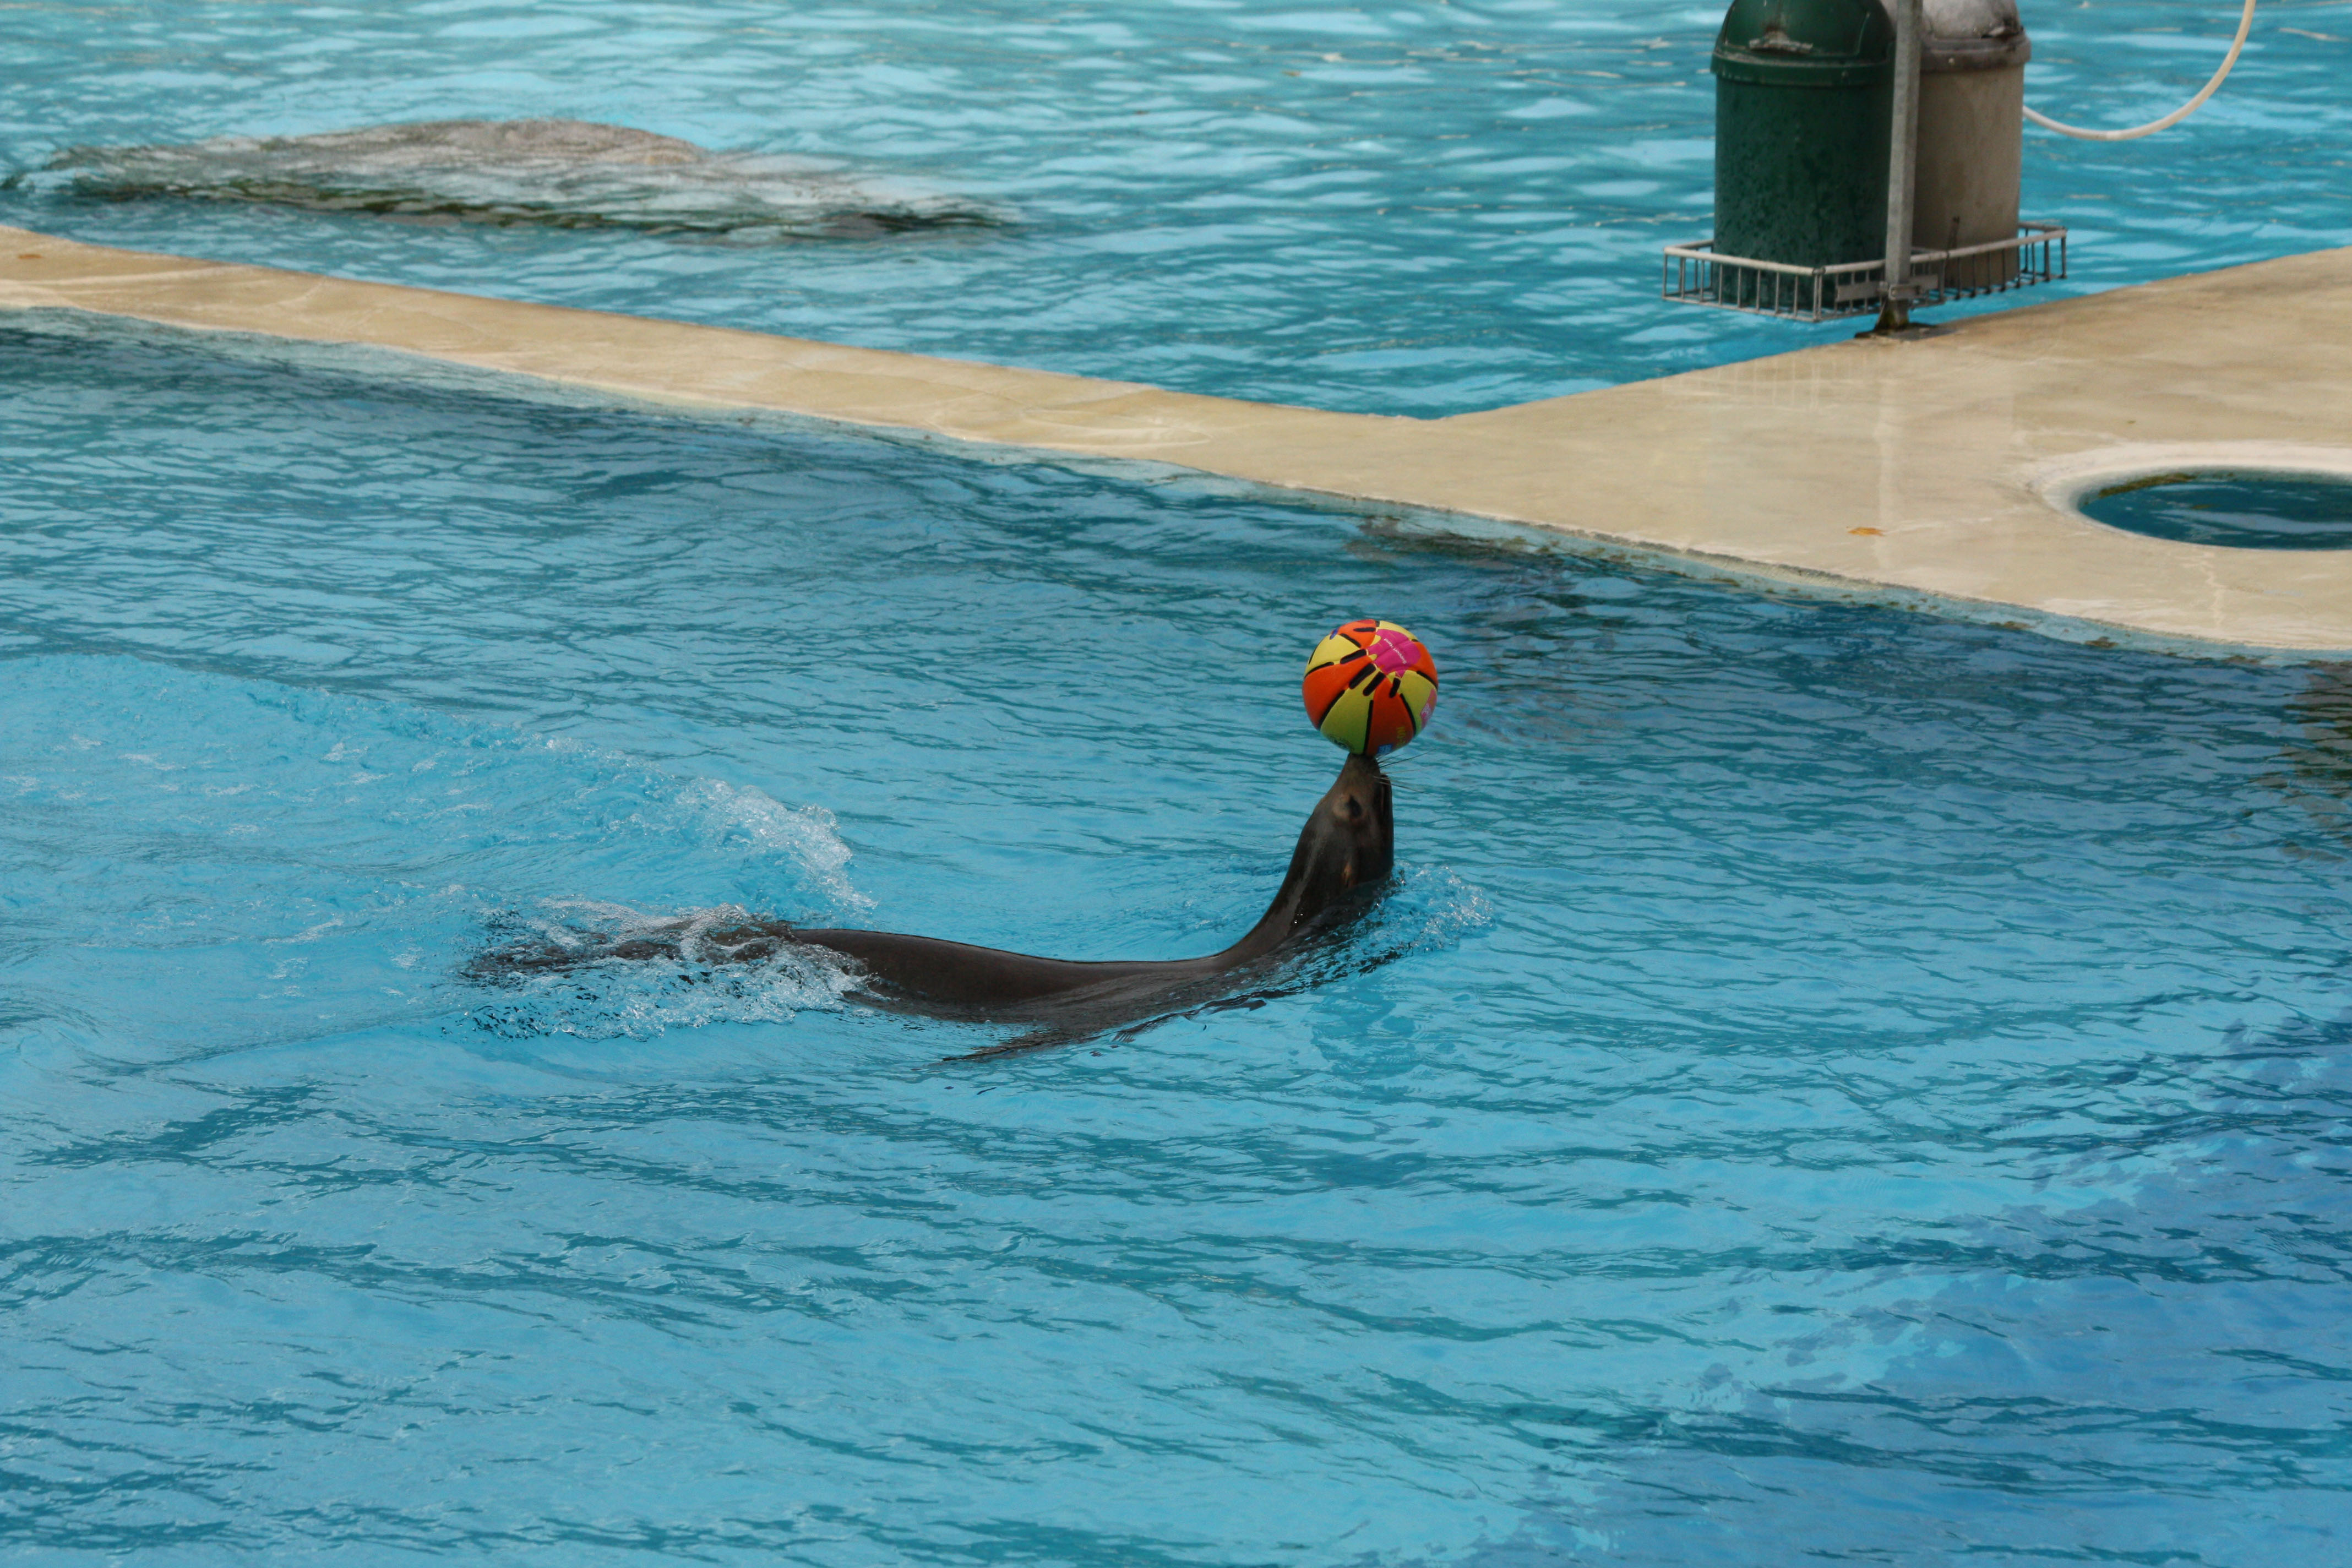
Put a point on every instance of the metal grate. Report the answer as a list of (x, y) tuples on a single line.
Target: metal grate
[(1695, 275)]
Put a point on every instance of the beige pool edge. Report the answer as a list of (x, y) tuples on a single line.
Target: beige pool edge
[(1934, 472)]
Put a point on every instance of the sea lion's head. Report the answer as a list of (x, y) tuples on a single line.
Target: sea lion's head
[(1350, 841)]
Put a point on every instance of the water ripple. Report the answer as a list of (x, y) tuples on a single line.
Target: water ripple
[(1826, 1083)]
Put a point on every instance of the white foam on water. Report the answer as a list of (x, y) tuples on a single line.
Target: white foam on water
[(640, 998), (729, 816), (806, 834)]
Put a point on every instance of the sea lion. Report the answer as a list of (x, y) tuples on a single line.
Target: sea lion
[(1345, 852)]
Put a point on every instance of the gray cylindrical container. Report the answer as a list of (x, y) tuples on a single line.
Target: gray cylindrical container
[(1972, 60)]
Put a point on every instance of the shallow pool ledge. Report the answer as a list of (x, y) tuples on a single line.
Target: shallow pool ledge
[(1939, 467)]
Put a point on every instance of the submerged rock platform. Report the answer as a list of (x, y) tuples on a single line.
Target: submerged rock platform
[(549, 174)]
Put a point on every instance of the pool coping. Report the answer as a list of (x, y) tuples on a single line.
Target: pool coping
[(1932, 471)]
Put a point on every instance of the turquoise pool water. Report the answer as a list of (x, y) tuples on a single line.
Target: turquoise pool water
[(1829, 1085), (1419, 208), (2237, 511)]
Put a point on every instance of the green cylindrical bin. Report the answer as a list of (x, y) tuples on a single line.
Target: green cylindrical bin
[(1803, 98)]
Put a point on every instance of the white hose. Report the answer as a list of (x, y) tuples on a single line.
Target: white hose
[(2245, 25)]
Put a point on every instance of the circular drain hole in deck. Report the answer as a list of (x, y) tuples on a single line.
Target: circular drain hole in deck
[(2241, 510)]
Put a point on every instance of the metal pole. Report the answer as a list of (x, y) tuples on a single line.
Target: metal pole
[(1902, 162)]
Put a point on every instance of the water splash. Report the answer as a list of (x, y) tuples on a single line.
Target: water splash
[(552, 174), (805, 834), (699, 981)]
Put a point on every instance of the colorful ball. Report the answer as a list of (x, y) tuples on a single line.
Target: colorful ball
[(1369, 687)]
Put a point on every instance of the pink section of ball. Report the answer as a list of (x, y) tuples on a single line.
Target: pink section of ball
[(1391, 653)]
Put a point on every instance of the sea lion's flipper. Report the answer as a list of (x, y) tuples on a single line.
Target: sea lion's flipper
[(1044, 1037)]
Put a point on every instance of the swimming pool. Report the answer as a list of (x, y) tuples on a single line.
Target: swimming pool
[(1827, 1082), (1416, 209)]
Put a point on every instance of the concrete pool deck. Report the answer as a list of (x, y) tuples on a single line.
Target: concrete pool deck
[(1936, 467)]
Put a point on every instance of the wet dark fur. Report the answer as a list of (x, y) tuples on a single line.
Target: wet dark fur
[(1345, 852)]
